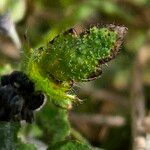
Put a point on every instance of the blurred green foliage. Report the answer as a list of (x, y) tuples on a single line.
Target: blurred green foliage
[(9, 139)]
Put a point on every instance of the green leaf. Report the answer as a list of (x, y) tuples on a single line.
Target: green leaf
[(54, 120), (70, 145), (9, 137), (72, 57), (11, 6), (78, 57)]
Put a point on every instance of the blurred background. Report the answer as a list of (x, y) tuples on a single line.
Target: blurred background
[(115, 112)]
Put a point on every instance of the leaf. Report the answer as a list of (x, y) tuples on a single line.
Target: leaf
[(72, 57), (54, 120), (5, 69), (9, 137), (70, 145), (12, 6), (75, 57)]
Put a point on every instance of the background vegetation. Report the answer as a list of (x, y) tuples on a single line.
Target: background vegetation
[(114, 114)]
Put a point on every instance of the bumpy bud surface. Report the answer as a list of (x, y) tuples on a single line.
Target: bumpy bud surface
[(72, 57), (76, 57)]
